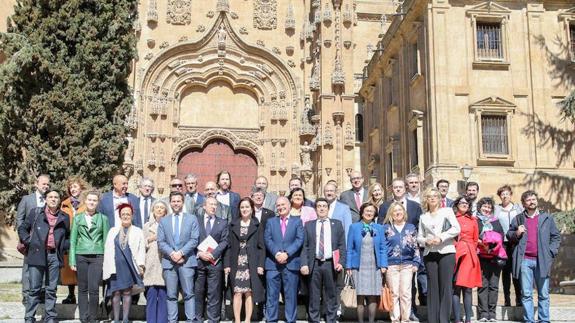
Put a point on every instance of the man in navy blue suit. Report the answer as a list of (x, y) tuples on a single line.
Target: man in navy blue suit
[(443, 187), (210, 271), (118, 195), (225, 194), (413, 213), (284, 237)]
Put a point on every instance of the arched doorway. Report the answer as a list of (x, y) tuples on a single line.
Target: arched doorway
[(215, 156)]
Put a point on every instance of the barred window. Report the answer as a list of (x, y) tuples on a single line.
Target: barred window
[(489, 40), (572, 38), (494, 134)]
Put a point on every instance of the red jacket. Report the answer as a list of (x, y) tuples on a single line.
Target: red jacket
[(468, 269)]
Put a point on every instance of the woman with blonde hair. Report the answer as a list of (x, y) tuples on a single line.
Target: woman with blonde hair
[(375, 194), (437, 231), (402, 258), (156, 296), (72, 205)]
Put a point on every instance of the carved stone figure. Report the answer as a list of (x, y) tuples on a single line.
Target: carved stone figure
[(328, 134), (152, 11), (305, 155), (222, 35), (179, 12), (129, 155), (265, 14), (349, 138)]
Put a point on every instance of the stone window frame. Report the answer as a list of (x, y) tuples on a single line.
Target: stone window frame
[(568, 19), (490, 12), (414, 67), (415, 130), (494, 106)]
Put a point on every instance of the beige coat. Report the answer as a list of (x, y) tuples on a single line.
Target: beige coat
[(153, 274)]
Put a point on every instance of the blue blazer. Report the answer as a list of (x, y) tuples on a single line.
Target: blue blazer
[(342, 213), (354, 240), (292, 243), (106, 207), (413, 212), (189, 235), (234, 204)]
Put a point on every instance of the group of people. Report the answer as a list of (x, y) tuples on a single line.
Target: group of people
[(266, 248)]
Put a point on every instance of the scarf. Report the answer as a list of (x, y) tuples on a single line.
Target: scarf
[(52, 217), (124, 236), (367, 228), (75, 202), (486, 221)]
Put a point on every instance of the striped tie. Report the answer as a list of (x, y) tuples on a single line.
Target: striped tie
[(321, 252)]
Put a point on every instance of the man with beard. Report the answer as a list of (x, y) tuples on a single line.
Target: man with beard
[(537, 239), (471, 193)]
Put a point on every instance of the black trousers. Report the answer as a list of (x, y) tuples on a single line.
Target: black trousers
[(507, 277), (89, 273), (439, 286), (208, 287), (487, 294), (322, 285)]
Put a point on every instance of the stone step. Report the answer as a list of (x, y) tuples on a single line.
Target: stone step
[(138, 313)]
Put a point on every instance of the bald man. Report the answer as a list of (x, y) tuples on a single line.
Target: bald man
[(119, 195), (222, 211)]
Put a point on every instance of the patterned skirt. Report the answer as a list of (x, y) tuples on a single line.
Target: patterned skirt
[(242, 279)]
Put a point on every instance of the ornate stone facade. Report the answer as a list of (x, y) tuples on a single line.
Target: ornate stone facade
[(474, 86)]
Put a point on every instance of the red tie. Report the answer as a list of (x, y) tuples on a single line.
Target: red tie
[(443, 202), (357, 200)]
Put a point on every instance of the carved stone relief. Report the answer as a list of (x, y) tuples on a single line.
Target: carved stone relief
[(328, 134), (152, 11), (179, 12), (265, 14), (290, 18), (349, 139)]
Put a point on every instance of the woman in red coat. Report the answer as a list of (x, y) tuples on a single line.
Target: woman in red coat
[(467, 267)]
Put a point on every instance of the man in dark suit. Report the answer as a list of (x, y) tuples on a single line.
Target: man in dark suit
[(210, 272), (283, 240), (296, 182), (355, 196), (261, 213), (398, 187), (322, 257), (222, 211), (46, 233), (29, 203), (177, 241), (225, 195), (146, 188), (443, 187), (192, 198), (118, 195), (269, 197)]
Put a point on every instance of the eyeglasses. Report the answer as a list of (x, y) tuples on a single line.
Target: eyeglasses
[(463, 203), (177, 185)]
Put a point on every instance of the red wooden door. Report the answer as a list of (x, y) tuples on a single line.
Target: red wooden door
[(218, 155)]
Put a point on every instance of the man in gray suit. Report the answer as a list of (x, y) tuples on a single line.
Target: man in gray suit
[(222, 211), (146, 188), (192, 198), (270, 197), (29, 203), (356, 196), (178, 235)]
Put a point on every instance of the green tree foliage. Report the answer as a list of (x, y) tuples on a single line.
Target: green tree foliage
[(64, 92)]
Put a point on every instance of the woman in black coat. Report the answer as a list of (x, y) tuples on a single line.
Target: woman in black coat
[(244, 260)]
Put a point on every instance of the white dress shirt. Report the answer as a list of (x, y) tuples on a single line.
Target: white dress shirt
[(223, 197), (327, 252), (143, 208), (117, 201), (40, 200)]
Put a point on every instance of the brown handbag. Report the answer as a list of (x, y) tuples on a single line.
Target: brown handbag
[(22, 248), (386, 300)]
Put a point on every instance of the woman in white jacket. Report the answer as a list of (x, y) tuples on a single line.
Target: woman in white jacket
[(124, 260)]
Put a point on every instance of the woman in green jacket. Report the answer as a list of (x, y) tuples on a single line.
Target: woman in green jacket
[(86, 255)]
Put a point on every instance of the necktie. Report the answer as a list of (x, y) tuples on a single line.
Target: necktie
[(321, 252), (284, 226), (146, 209), (209, 226), (443, 202), (357, 200), (177, 229), (42, 201)]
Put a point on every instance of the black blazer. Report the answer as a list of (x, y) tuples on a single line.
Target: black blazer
[(220, 234), (266, 214), (413, 212), (36, 242), (256, 255), (309, 242)]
